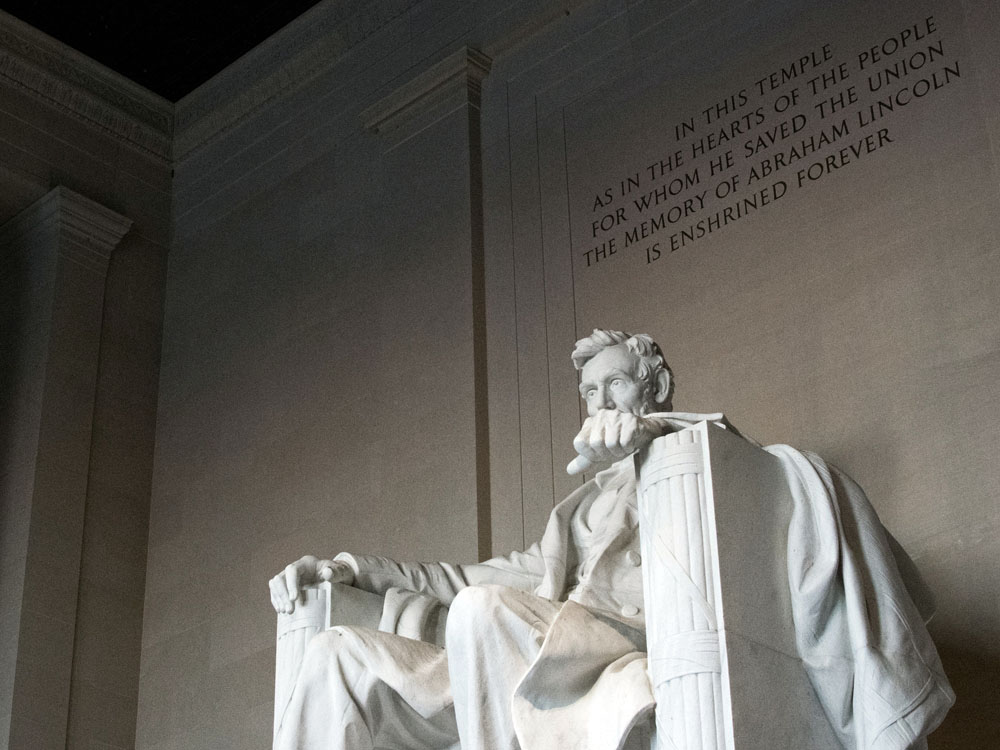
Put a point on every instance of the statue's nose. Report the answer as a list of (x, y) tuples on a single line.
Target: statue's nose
[(604, 398)]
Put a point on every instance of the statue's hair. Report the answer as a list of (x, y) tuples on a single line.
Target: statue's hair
[(651, 359)]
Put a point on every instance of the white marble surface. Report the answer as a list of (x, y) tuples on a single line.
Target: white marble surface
[(728, 531), (721, 583), (586, 567)]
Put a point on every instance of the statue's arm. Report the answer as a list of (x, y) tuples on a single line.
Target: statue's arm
[(518, 570), (377, 575), (443, 580)]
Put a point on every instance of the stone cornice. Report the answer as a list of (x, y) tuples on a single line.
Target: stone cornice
[(85, 231), (83, 88), (463, 69), (308, 47), (88, 228)]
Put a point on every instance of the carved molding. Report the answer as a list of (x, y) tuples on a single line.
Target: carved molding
[(85, 231), (83, 88), (308, 47), (311, 46), (465, 68), (88, 230)]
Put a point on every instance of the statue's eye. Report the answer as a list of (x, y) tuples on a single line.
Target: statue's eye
[(591, 393), (617, 383)]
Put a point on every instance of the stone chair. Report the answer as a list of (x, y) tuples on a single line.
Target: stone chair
[(714, 514), (326, 605)]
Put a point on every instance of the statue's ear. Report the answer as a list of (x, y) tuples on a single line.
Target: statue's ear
[(662, 387)]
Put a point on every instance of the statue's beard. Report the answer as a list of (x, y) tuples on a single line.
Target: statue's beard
[(648, 405)]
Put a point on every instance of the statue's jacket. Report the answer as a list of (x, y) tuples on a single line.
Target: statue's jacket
[(860, 635), (588, 684)]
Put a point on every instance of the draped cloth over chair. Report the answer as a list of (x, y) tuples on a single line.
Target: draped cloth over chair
[(776, 614)]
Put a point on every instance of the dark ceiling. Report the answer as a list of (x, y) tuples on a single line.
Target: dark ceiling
[(168, 46)]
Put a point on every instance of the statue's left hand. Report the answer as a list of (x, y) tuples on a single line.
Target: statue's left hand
[(286, 586), (609, 436)]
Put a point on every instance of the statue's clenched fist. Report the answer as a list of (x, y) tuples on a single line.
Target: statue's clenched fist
[(285, 586), (611, 435)]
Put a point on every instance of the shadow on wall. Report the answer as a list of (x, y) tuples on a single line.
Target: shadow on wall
[(14, 375), (974, 721)]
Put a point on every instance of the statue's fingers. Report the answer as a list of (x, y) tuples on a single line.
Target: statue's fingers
[(331, 570), (332, 573), (343, 573), (596, 450), (581, 443), (325, 570), (578, 465), (613, 439), (292, 581), (279, 594), (629, 434), (604, 417)]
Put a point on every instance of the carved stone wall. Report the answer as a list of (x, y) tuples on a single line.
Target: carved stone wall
[(78, 368), (363, 327), (329, 339), (323, 352), (79, 88), (55, 256), (849, 316)]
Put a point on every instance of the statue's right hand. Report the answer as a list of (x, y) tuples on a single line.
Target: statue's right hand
[(286, 586)]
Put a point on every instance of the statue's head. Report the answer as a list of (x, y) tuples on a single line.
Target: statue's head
[(624, 372)]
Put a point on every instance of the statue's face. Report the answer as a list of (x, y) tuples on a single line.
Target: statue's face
[(610, 381)]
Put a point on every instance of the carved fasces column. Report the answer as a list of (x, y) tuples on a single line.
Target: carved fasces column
[(54, 257), (714, 512), (681, 619)]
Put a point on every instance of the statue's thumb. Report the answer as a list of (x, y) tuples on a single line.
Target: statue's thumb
[(578, 465)]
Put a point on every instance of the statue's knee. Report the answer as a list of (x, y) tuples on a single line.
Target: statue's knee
[(472, 611), (327, 646)]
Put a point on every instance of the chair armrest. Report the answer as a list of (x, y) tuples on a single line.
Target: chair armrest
[(320, 607)]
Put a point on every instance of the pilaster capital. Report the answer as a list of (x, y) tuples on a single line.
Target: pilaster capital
[(83, 231), (462, 72)]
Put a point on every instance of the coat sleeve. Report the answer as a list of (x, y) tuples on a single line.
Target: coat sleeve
[(520, 570), (539, 569)]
